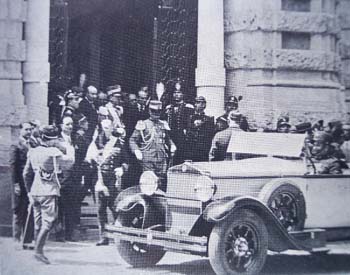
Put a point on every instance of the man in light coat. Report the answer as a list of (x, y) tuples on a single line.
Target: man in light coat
[(41, 178)]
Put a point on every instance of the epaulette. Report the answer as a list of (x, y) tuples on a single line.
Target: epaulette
[(188, 105), (166, 125), (140, 125)]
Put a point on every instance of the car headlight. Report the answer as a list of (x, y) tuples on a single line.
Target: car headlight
[(148, 183), (204, 189)]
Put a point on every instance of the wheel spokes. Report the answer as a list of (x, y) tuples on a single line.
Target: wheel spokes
[(240, 247)]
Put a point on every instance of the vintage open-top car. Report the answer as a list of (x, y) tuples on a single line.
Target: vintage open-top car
[(235, 211)]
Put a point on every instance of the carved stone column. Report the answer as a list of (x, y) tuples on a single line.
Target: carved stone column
[(36, 68), (210, 72)]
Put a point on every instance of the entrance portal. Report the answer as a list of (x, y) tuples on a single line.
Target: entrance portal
[(133, 43)]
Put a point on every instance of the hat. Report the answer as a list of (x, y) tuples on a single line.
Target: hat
[(77, 90), (114, 90), (200, 99), (322, 137), (234, 115), (49, 132), (35, 122), (234, 99), (303, 127), (70, 95), (284, 121), (155, 105)]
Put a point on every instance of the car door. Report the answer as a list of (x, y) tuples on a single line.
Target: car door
[(327, 201)]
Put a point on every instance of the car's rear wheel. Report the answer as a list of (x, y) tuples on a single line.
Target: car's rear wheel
[(239, 244), (137, 254), (287, 202)]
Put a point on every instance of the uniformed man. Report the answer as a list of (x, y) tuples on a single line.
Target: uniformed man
[(71, 101), (18, 158), (151, 143), (328, 159), (222, 122), (200, 132), (109, 154), (114, 106), (218, 150), (41, 178), (345, 147), (283, 125), (178, 116)]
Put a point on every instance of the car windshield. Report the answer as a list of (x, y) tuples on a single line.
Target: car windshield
[(270, 144)]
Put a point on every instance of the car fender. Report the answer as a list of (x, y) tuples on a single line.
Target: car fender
[(275, 183), (279, 238), (154, 208)]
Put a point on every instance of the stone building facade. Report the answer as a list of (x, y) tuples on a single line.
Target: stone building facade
[(282, 55)]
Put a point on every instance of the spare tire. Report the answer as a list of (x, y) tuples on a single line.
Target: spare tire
[(287, 203)]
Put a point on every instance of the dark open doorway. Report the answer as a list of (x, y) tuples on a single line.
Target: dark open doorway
[(128, 42), (112, 42)]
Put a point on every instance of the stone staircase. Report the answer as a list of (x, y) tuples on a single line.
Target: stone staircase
[(88, 221)]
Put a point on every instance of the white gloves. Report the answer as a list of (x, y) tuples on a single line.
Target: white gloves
[(138, 154), (119, 172), (173, 149)]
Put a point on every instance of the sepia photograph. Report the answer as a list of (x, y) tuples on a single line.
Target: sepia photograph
[(188, 137)]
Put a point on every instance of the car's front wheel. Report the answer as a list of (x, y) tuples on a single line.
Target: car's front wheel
[(239, 244), (137, 254)]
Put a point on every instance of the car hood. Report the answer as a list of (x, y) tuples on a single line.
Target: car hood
[(253, 167)]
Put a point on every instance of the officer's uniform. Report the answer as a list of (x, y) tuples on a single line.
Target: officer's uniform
[(328, 159), (221, 140), (18, 158), (178, 117), (41, 178), (345, 147), (152, 138), (199, 135), (222, 122), (108, 154)]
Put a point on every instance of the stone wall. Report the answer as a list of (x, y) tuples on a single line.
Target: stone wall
[(276, 77), (12, 108), (343, 11)]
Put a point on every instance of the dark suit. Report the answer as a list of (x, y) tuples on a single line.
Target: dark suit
[(198, 137), (18, 159), (88, 109), (178, 117)]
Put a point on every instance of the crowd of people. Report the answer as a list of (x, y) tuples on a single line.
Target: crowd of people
[(101, 142)]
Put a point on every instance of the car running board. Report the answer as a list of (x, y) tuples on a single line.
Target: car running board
[(315, 239)]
